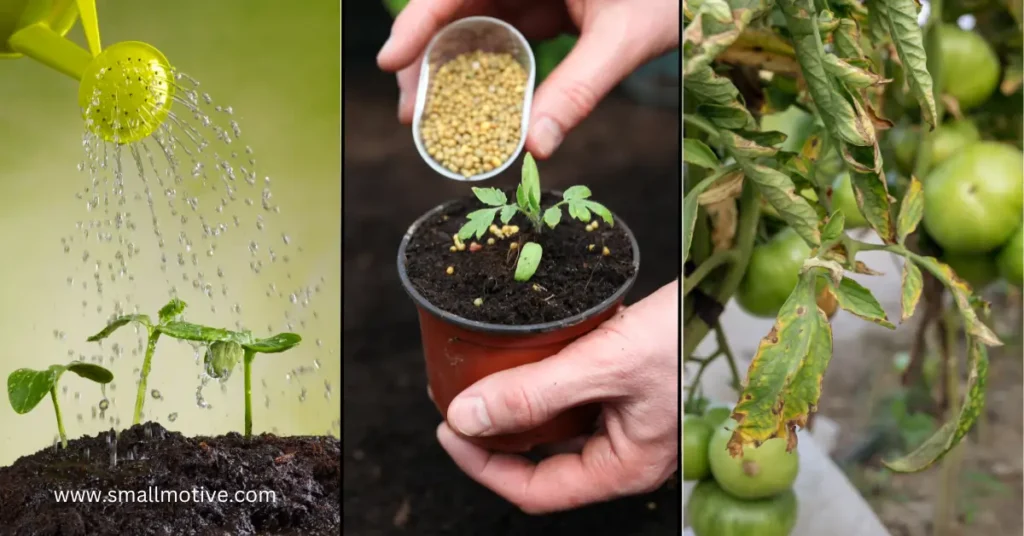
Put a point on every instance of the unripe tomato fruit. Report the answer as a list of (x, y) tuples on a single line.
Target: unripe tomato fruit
[(696, 437), (759, 473), (1011, 258), (711, 511), (772, 273)]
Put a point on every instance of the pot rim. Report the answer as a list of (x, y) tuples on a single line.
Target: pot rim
[(524, 329)]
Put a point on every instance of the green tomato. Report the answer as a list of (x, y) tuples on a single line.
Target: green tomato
[(951, 138), (717, 415), (696, 436), (978, 270), (844, 199), (772, 273), (711, 511), (759, 473), (970, 68), (1011, 258), (904, 141), (973, 201)]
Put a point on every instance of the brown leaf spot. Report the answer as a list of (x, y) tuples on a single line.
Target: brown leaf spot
[(801, 310), (773, 336)]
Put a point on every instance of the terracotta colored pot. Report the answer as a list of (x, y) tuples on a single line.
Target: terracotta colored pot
[(459, 352)]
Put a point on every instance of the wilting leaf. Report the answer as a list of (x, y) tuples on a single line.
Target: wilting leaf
[(727, 117), (961, 292), (691, 205), (698, 153), (91, 371), (854, 77), (742, 147), (853, 297), (901, 18), (117, 323), (911, 210), (847, 39), (785, 376), (276, 344), (953, 431), (729, 186), (173, 308), (870, 189), (194, 332), (780, 192), (912, 285), (834, 228)]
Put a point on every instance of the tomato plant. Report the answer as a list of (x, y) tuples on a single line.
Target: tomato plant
[(807, 128), (714, 512)]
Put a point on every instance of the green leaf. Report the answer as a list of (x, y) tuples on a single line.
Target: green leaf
[(552, 216), (834, 228), (784, 379), (531, 183), (601, 211), (961, 292), (221, 358), (911, 210), (27, 387), (912, 284), (173, 308), (901, 18), (118, 323), (507, 212), (698, 153), (727, 117), (858, 300), (522, 199), (576, 192), (579, 210), (478, 223), (953, 431), (742, 147), (195, 332), (276, 344), (781, 194), (870, 188), (691, 205), (529, 259), (490, 196), (91, 371), (853, 76)]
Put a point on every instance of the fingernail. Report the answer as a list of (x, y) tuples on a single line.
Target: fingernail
[(469, 416), (548, 136)]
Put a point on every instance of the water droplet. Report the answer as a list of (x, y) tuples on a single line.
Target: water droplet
[(172, 417), (104, 404), (156, 394)]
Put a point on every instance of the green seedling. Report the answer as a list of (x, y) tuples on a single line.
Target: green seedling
[(27, 387), (224, 349), (576, 199)]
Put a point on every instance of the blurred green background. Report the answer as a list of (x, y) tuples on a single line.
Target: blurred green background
[(278, 66)]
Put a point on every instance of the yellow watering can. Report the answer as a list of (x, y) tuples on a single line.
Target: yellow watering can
[(125, 91)]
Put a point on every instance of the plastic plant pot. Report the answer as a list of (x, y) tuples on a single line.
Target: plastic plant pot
[(459, 352)]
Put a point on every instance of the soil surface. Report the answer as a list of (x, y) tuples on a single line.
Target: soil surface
[(146, 460), (574, 274), (397, 479)]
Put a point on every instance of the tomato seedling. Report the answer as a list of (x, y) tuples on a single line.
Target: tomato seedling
[(224, 348), (576, 199), (27, 387)]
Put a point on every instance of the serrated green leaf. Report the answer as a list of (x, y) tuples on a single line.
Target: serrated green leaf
[(708, 87), (847, 39), (552, 216), (834, 228), (117, 323), (507, 212), (91, 371), (490, 196), (194, 332), (478, 223), (911, 284), (911, 210), (853, 297), (529, 259), (698, 153), (531, 183), (961, 292), (581, 210), (27, 387), (784, 379), (601, 211), (781, 194), (726, 117), (950, 434), (901, 18), (576, 192), (276, 344), (173, 308)]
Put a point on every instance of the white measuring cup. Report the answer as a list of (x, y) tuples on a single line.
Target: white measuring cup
[(470, 34)]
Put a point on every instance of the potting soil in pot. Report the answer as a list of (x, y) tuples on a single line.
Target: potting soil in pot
[(578, 269), (145, 461)]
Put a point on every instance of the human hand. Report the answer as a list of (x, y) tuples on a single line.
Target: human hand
[(630, 365), (616, 37)]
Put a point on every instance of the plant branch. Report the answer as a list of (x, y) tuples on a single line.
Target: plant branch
[(706, 267), (147, 364), (723, 347), (60, 421)]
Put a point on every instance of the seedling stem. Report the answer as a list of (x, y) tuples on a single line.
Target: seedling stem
[(147, 364), (60, 420)]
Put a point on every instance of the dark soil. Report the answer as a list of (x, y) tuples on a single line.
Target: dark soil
[(573, 276), (304, 473)]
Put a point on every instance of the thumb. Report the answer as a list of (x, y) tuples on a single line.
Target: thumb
[(608, 50), (591, 369)]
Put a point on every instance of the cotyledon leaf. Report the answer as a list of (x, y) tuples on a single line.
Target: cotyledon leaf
[(784, 379), (947, 437), (195, 332), (961, 292), (276, 344), (119, 322), (853, 297), (91, 371), (911, 285), (27, 387), (901, 18)]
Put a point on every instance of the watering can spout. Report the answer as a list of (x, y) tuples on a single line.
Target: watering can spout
[(36, 29)]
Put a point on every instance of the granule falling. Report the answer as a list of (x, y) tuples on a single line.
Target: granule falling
[(474, 109)]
